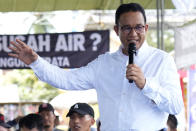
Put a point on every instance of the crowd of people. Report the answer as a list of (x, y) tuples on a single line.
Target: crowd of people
[(81, 118), (137, 95)]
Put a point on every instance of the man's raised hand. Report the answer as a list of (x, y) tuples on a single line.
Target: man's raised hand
[(22, 51)]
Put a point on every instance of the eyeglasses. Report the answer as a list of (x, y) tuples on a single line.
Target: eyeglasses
[(127, 29)]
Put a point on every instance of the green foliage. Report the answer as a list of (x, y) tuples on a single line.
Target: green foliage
[(42, 24), (168, 39), (30, 88)]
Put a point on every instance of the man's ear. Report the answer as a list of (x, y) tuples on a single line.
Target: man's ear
[(146, 27), (92, 121), (54, 116), (116, 29)]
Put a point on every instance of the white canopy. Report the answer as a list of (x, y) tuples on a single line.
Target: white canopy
[(9, 94), (69, 98)]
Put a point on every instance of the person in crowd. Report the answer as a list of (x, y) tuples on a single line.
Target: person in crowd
[(46, 110), (98, 123), (3, 125), (81, 117), (31, 122), (172, 123), (14, 123), (141, 105), (56, 121)]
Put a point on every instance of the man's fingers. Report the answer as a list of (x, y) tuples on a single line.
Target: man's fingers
[(13, 55), (21, 43), (131, 74), (132, 69), (14, 49), (131, 78), (16, 45), (131, 65)]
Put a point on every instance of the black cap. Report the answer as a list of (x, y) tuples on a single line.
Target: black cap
[(81, 108), (2, 122), (46, 107)]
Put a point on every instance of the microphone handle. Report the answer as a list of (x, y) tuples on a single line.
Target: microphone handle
[(131, 57), (131, 52)]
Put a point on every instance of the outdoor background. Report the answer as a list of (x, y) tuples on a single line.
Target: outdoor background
[(21, 92)]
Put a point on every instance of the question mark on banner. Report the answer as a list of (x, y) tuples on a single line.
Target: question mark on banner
[(97, 39)]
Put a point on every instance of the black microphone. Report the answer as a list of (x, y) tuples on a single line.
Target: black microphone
[(131, 52)]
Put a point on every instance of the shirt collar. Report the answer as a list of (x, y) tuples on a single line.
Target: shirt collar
[(142, 50), (120, 53)]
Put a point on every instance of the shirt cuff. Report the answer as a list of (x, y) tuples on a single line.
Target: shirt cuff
[(151, 90), (35, 63)]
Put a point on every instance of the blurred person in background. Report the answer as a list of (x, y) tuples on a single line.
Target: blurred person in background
[(31, 122), (4, 126), (46, 110), (172, 123), (15, 122), (98, 123), (56, 121)]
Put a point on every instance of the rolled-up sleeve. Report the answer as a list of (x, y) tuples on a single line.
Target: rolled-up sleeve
[(165, 90)]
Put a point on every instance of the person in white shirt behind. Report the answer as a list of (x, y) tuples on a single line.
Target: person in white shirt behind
[(142, 105)]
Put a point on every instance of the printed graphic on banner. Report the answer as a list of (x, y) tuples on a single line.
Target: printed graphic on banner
[(192, 99), (66, 50), (185, 46)]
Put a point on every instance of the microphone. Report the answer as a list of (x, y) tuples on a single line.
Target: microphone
[(131, 52)]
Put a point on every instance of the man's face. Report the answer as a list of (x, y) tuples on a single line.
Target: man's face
[(131, 28), (27, 129), (80, 122), (48, 118)]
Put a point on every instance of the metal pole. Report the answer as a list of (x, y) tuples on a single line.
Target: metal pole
[(162, 25), (121, 1), (158, 40)]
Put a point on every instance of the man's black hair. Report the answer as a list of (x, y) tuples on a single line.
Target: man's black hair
[(123, 8), (31, 121), (172, 121)]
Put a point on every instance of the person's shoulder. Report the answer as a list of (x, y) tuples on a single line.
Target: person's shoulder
[(99, 59), (159, 52), (106, 55), (162, 55)]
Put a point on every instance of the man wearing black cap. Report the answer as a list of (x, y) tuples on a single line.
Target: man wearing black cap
[(3, 126), (81, 117), (46, 110)]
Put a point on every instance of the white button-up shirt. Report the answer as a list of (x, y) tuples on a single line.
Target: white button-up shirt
[(123, 106)]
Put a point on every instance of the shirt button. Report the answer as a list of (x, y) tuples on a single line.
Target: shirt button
[(124, 93)]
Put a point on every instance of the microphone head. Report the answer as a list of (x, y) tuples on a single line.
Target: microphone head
[(131, 48)]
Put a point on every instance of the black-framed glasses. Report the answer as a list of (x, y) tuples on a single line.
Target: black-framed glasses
[(127, 29)]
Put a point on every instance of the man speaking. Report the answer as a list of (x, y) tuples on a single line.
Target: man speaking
[(144, 104)]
